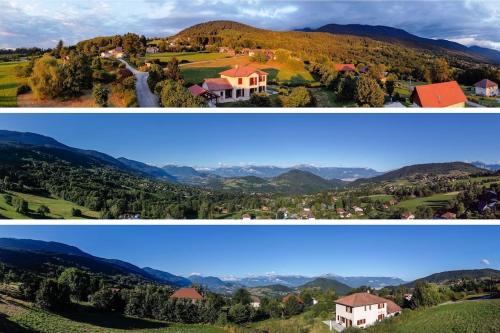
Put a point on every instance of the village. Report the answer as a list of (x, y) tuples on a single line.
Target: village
[(221, 76)]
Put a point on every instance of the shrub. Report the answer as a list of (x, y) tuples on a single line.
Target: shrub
[(101, 94), (129, 82), (52, 296), (76, 212), (108, 300), (368, 92), (43, 210), (260, 100), (299, 97), (23, 89)]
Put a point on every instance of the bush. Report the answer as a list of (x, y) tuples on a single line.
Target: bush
[(299, 97), (20, 205), (368, 92), (260, 100), (174, 94), (108, 300), (43, 210), (100, 94), (240, 313), (76, 212), (8, 199), (52, 296), (23, 89), (77, 281), (129, 82), (103, 76)]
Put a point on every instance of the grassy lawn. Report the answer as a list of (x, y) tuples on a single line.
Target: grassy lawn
[(9, 83), (435, 201), (59, 209), (287, 75), (187, 56), (379, 197), (45, 322), (326, 98), (196, 75), (305, 322), (465, 317)]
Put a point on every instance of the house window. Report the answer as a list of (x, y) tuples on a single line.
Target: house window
[(262, 78), (365, 307), (381, 305), (229, 93), (381, 317), (361, 322), (240, 93), (348, 309), (253, 90), (252, 81), (240, 80), (222, 94)]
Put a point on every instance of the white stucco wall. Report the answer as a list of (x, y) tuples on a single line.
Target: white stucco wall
[(358, 313)]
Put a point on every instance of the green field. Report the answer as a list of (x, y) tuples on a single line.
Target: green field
[(196, 75), (286, 75), (9, 83), (379, 197), (435, 201), (59, 209), (466, 317), (186, 56)]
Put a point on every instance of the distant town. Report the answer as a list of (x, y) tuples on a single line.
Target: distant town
[(229, 64)]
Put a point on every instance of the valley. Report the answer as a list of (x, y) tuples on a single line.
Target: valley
[(332, 66), (36, 170), (110, 295)]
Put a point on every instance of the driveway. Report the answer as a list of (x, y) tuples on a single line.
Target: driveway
[(145, 97)]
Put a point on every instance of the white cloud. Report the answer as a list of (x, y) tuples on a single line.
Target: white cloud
[(37, 22), (485, 262)]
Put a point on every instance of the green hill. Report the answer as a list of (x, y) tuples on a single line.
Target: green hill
[(464, 317), (291, 182), (324, 284), (314, 46), (444, 277), (423, 169)]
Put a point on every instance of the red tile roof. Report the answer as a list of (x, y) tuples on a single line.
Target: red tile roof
[(344, 67), (486, 84), (438, 95), (392, 307), (217, 84), (196, 90), (360, 299), (189, 293), (243, 71)]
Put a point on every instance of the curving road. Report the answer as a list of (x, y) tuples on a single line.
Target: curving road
[(145, 97)]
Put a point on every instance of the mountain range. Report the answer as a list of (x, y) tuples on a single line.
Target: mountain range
[(301, 179), (45, 257), (400, 36)]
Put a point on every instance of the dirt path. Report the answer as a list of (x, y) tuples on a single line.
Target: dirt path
[(145, 97)]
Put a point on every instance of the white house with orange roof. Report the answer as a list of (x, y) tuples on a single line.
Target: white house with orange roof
[(237, 84), (362, 310)]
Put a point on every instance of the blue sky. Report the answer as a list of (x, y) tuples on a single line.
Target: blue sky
[(379, 141), (407, 252), (44, 22)]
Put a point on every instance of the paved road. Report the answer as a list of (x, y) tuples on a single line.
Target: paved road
[(145, 97)]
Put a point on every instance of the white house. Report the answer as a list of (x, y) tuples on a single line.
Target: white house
[(114, 53), (255, 303), (237, 84), (486, 88), (152, 49), (363, 309)]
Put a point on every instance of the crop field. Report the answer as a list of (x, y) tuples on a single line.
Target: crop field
[(435, 201), (59, 209), (9, 83), (466, 317), (186, 56)]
